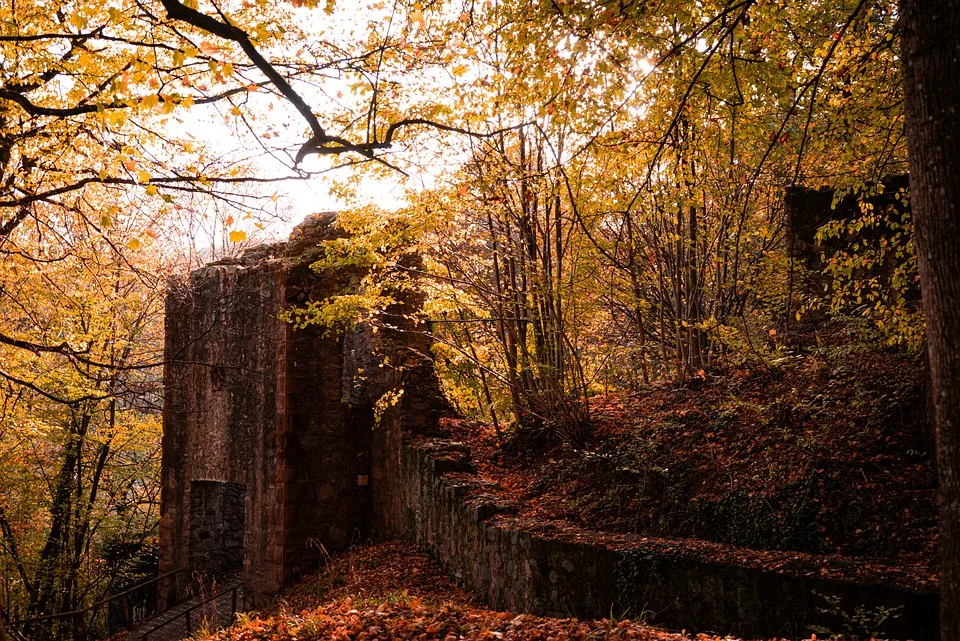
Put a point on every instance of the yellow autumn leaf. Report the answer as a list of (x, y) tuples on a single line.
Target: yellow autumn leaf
[(117, 117), (151, 190), (143, 176), (134, 244), (238, 236)]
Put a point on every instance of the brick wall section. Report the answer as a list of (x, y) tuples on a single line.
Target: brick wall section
[(525, 566), (251, 401), (220, 385), (216, 535)]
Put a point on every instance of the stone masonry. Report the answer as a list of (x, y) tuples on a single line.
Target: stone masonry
[(279, 418), (271, 457)]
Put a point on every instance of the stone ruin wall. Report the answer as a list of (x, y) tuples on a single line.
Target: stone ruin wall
[(526, 565), (807, 210), (220, 394), (285, 417), (282, 414)]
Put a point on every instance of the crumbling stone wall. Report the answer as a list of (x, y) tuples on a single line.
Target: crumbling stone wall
[(524, 565), (285, 414), (807, 210), (251, 401)]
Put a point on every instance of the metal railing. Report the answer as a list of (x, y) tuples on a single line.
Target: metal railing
[(85, 619), (186, 614)]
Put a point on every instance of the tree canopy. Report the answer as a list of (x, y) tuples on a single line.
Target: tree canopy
[(595, 195)]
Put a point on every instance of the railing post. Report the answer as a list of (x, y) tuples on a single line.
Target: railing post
[(233, 603)]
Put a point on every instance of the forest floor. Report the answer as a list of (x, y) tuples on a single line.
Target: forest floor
[(823, 452), (394, 590)]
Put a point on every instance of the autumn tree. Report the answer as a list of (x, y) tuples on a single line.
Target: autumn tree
[(79, 433), (512, 282), (931, 45)]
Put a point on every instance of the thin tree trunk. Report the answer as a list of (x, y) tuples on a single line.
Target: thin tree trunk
[(694, 342), (931, 49)]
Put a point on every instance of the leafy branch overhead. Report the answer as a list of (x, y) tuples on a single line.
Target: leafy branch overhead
[(321, 141)]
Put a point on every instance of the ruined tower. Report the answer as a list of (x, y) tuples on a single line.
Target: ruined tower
[(269, 453)]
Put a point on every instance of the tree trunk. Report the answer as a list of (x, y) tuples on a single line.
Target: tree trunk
[(694, 296), (931, 50)]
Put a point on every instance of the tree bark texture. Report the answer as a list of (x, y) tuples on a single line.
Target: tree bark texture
[(931, 73)]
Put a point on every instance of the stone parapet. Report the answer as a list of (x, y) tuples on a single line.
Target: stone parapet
[(545, 568)]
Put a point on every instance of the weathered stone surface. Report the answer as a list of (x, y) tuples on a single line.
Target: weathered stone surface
[(807, 210), (285, 419), (216, 536), (534, 567), (255, 403)]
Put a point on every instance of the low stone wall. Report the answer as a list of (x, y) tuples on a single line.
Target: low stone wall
[(542, 568)]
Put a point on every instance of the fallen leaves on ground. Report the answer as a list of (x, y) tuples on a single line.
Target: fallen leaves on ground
[(390, 570), (824, 454), (395, 591), (346, 619)]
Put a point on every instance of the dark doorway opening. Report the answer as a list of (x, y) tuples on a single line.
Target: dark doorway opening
[(216, 527)]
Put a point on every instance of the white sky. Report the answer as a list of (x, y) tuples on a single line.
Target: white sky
[(299, 198), (349, 24)]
